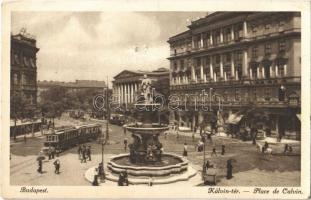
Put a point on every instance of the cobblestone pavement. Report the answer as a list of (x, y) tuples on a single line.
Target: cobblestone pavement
[(250, 168)]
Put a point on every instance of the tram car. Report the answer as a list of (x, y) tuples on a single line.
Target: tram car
[(66, 138)]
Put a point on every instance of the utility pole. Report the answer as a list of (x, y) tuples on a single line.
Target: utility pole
[(108, 112)]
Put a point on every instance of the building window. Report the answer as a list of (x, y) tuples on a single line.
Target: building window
[(15, 79), (228, 57), (205, 40), (267, 71), (16, 59), (254, 94), (26, 62), (282, 46), (217, 37), (254, 71), (238, 32), (267, 94), (32, 62), (237, 94), (281, 70), (282, 93), (281, 23), (254, 28), (254, 52), (267, 49), (182, 64), (175, 66), (217, 59), (239, 56), (227, 34)]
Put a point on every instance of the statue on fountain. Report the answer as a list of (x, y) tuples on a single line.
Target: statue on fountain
[(146, 90), (146, 148)]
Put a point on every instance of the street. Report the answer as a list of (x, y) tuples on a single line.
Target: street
[(250, 168)]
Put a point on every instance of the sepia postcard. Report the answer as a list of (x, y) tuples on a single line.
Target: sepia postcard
[(155, 99)]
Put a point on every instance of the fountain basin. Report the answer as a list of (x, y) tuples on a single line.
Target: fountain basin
[(170, 164)]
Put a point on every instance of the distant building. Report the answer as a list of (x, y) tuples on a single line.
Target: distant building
[(24, 67), (251, 60), (127, 84), (78, 85)]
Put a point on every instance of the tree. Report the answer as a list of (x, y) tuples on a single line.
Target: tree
[(19, 108)]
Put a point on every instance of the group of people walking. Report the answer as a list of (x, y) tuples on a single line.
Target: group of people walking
[(84, 153)]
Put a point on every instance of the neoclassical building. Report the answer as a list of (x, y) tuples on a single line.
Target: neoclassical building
[(24, 66), (127, 84), (251, 60)]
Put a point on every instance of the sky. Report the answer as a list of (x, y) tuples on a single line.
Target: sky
[(94, 45)]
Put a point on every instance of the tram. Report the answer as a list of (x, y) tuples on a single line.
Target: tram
[(66, 138)]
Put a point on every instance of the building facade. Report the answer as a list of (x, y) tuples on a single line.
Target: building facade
[(127, 84), (76, 86), (24, 67), (248, 60)]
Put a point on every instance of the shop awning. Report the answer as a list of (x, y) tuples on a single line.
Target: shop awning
[(298, 116), (234, 119)]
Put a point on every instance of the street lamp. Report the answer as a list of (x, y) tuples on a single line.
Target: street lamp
[(107, 128)]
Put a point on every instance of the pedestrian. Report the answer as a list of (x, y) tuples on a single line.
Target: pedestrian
[(124, 130), (57, 166), (286, 148), (79, 152), (150, 183), (214, 152), (185, 153), (83, 154), (200, 146), (50, 153), (121, 179), (265, 147), (101, 172), (40, 166), (88, 152), (254, 133), (125, 143), (25, 138), (207, 166), (290, 149), (177, 133), (125, 181), (223, 149), (209, 137), (95, 180), (229, 169)]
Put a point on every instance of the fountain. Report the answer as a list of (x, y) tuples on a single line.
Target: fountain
[(146, 158)]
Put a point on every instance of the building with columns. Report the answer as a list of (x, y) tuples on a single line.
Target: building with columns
[(250, 60), (126, 85), (24, 67)]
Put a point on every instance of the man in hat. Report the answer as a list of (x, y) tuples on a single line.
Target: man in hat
[(57, 166), (79, 151), (229, 169), (88, 152)]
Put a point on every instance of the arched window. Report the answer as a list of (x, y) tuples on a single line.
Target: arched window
[(15, 79)]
